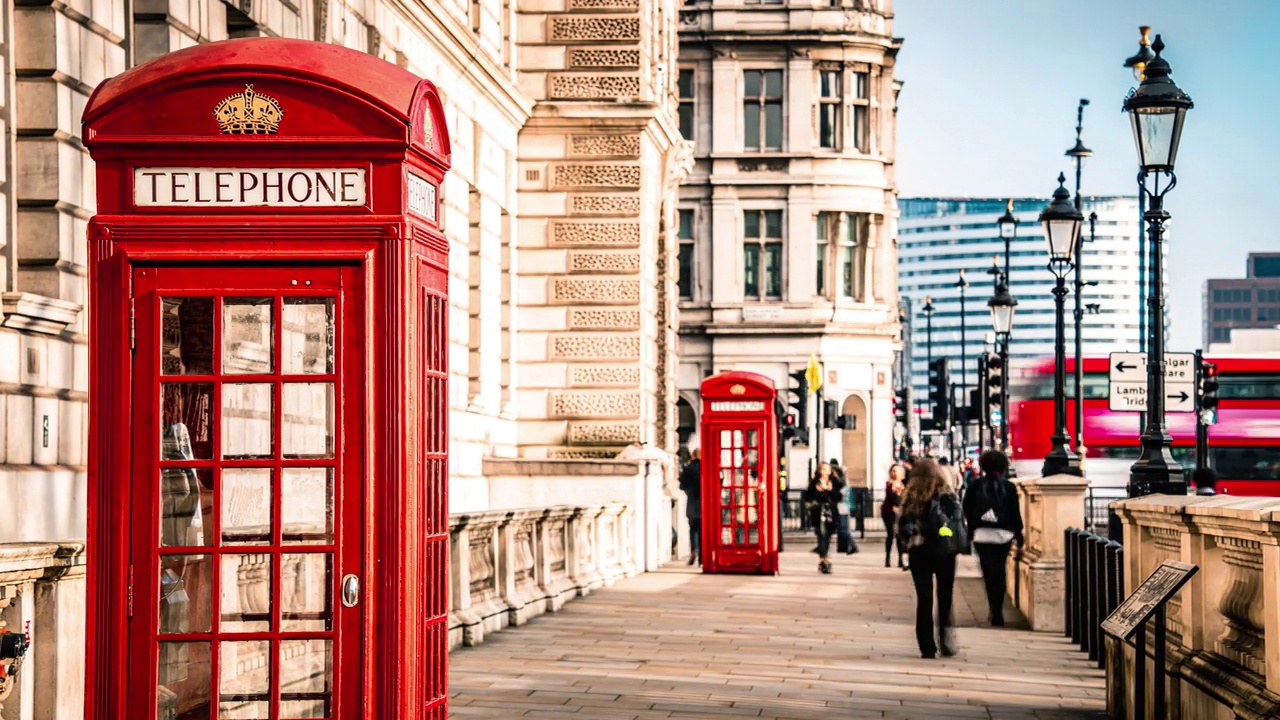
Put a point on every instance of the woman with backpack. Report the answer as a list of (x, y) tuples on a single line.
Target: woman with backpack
[(932, 529), (823, 499), (995, 522)]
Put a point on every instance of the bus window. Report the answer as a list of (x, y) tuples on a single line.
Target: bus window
[(1249, 387), (1096, 387), (1245, 463)]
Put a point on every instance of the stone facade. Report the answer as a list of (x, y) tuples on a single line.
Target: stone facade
[(791, 108), (566, 159)]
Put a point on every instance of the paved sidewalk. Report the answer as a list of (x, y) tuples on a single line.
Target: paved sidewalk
[(802, 646)]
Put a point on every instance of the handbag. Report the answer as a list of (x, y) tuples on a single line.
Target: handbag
[(953, 536)]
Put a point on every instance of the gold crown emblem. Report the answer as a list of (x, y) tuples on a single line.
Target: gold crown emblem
[(737, 390), (249, 113)]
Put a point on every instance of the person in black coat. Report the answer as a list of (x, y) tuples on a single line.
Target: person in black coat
[(992, 512), (823, 499), (691, 485)]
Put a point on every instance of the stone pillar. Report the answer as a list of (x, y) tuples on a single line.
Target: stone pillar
[(1049, 506)]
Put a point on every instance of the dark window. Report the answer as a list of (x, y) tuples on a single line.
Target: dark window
[(860, 104), (762, 254), (685, 234), (1096, 387), (762, 109), (829, 109), (1266, 267), (685, 90), (1249, 387), (1245, 463), (820, 249)]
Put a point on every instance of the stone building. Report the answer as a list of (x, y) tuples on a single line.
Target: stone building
[(787, 223)]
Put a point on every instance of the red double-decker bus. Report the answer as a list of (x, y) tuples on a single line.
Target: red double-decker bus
[(1244, 443)]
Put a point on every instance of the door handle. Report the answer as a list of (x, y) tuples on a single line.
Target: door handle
[(350, 590)]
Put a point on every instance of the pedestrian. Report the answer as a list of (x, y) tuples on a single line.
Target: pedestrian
[(1205, 480), (995, 523), (952, 473), (691, 485), (823, 500), (889, 509), (932, 528), (846, 542)]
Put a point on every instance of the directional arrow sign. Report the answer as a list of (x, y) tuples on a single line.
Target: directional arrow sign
[(1130, 367), (1132, 397), (1180, 397)]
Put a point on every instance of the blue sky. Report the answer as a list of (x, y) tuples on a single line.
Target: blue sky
[(989, 101)]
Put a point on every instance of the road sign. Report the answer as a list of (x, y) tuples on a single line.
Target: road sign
[(1128, 375)]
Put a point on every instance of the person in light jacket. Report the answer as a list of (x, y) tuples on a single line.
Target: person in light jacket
[(994, 518)]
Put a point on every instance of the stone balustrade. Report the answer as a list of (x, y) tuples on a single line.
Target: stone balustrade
[(509, 566), (1223, 627), (1037, 575), (42, 594)]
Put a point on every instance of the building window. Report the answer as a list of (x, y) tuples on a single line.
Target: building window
[(860, 107), (822, 233), (762, 254), (762, 110), (685, 234), (684, 87), (829, 109), (853, 252)]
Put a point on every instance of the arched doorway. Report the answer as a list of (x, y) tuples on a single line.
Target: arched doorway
[(853, 443), (686, 427)]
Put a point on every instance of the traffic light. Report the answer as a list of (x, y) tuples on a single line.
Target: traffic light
[(800, 424), (995, 381), (940, 391), (830, 415), (902, 406), (1208, 391)]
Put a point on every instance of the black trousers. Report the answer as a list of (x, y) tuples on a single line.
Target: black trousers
[(824, 533), (695, 538), (925, 568), (994, 560), (890, 526)]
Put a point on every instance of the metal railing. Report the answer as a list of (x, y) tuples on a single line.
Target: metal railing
[(1094, 588), (1097, 508), (795, 519)]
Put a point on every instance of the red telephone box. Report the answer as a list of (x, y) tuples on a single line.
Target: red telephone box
[(739, 437), (267, 516)]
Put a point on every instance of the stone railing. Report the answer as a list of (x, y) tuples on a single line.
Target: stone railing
[(1037, 576), (42, 594), (1223, 627), (509, 566)]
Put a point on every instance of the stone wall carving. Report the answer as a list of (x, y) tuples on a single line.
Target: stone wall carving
[(604, 262), (604, 204), (594, 87), (595, 404), (595, 233), (624, 145), (1242, 605), (603, 319), (596, 346), (603, 58), (563, 454), (604, 375), (587, 433), (594, 290), (776, 165), (483, 585), (595, 28), (604, 4), (596, 175)]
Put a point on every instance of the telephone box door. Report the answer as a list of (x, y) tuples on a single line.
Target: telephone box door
[(246, 551), (739, 533)]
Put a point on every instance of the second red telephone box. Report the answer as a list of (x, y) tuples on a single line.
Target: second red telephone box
[(739, 433)]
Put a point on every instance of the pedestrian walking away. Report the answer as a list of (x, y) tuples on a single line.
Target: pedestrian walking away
[(823, 500), (889, 509), (691, 485), (1205, 481), (995, 522), (932, 528)]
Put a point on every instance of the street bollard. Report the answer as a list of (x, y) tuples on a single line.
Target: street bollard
[(1069, 562), (1099, 596)]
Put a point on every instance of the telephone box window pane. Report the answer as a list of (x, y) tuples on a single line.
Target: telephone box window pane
[(726, 536), (186, 604), (307, 424), (737, 438), (753, 438), (726, 478), (244, 683), (183, 681), (753, 457), (737, 458), (246, 420), (186, 507), (307, 505), (726, 516), (726, 438), (247, 336), (246, 593), (753, 535), (186, 413), (752, 515), (739, 536), (305, 590), (306, 678), (726, 458), (186, 336), (737, 498), (246, 506), (307, 336)]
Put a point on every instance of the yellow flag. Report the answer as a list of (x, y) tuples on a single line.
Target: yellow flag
[(813, 374)]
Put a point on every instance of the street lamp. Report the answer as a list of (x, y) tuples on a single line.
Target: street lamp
[(1078, 153), (1138, 63), (964, 357), (1008, 225), (1061, 222), (1156, 109)]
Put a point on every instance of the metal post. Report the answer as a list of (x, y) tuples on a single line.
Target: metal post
[(983, 393), (1142, 280), (964, 360), (1155, 470), (1158, 658), (1140, 674), (817, 437), (1069, 563), (1202, 430), (1079, 152), (1060, 459)]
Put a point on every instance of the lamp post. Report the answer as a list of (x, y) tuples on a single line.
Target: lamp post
[(1156, 110), (1061, 222), (1138, 63), (1002, 306), (964, 357), (1008, 225), (927, 309), (1078, 153)]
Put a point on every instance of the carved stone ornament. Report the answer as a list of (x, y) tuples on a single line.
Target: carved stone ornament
[(774, 165)]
